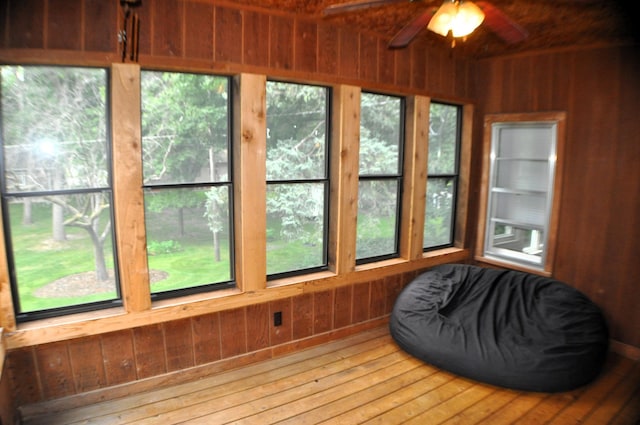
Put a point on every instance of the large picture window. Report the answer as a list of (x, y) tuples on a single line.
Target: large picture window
[(297, 178), (56, 190), (442, 175), (187, 181), (380, 177)]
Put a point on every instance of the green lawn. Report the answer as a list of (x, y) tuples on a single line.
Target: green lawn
[(188, 261)]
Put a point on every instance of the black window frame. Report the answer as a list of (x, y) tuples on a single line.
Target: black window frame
[(214, 286), (448, 176), (398, 177), (20, 316), (326, 181)]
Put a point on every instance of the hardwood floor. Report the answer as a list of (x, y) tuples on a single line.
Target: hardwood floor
[(364, 378)]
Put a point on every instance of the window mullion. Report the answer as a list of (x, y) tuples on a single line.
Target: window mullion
[(127, 186), (344, 178), (415, 170), (7, 315), (249, 146)]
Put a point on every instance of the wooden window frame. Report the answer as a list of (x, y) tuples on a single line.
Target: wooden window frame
[(557, 117)]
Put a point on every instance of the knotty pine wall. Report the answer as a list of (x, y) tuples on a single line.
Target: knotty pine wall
[(219, 37), (598, 242)]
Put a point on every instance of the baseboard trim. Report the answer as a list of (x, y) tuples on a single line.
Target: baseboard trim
[(625, 350)]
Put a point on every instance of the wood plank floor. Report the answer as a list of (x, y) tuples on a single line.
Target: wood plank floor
[(364, 378)]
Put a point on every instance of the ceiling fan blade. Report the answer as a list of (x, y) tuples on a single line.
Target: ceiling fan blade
[(501, 24), (406, 34), (351, 6)]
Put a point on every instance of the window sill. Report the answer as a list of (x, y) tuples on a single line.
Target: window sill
[(306, 279), (117, 319), (511, 265)]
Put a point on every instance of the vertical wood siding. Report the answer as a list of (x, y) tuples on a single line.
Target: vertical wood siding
[(599, 226)]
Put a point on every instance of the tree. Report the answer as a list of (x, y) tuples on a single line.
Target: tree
[(443, 145), (379, 168), (185, 142), (296, 162)]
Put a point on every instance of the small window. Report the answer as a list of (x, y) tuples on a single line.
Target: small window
[(297, 178), (522, 188), (56, 190), (442, 175), (187, 182), (380, 177)]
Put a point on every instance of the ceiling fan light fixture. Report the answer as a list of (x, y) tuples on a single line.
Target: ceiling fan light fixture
[(441, 21), (459, 17), (469, 18)]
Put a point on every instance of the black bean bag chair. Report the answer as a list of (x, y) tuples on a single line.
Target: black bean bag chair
[(503, 327)]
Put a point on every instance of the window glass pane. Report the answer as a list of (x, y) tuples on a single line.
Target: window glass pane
[(523, 175), (438, 212), (296, 131), (295, 226), (62, 256), (442, 175), (380, 128), (56, 196), (524, 208), (297, 178), (188, 237), (380, 168), (443, 138), (184, 128), (526, 141), (187, 177), (54, 128), (377, 218), (515, 242)]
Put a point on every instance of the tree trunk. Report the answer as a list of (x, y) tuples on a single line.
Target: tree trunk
[(57, 218), (57, 211), (98, 254), (101, 266), (216, 246), (27, 217)]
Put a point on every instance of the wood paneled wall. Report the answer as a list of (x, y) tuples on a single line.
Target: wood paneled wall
[(599, 226), (214, 342), (218, 36)]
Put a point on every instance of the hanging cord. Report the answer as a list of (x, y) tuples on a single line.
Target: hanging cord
[(128, 36)]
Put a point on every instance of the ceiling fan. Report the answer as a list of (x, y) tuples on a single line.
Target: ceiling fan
[(440, 20)]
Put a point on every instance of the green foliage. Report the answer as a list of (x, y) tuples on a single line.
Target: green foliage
[(184, 127), (443, 135), (296, 161), (163, 247)]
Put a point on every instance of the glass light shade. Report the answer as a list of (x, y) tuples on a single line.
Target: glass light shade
[(459, 17), (441, 21), (469, 17)]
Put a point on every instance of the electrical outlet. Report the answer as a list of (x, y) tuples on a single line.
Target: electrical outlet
[(277, 318)]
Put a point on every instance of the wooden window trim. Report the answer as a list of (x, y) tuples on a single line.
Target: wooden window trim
[(553, 116)]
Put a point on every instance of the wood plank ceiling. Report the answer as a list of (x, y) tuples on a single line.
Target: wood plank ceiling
[(549, 23)]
